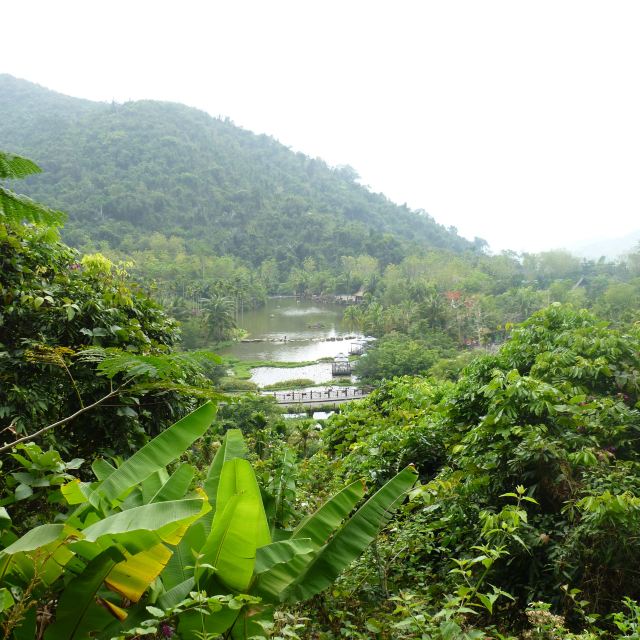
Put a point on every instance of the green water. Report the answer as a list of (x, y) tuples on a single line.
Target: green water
[(293, 330)]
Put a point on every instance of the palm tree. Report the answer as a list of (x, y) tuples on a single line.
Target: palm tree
[(219, 313), (353, 318)]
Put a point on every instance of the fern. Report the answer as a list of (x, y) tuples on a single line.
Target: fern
[(15, 167), (17, 208), (167, 367)]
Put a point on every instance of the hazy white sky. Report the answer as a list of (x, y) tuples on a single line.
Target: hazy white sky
[(515, 121)]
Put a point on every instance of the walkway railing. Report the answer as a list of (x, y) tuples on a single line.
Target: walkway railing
[(326, 395)]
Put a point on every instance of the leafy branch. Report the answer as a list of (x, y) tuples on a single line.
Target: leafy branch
[(18, 208)]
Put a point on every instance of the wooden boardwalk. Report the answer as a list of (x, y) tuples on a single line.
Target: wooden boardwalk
[(312, 397)]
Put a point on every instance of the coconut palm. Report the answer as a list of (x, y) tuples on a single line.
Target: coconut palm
[(219, 317)]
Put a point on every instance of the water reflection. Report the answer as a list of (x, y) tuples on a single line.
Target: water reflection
[(290, 330)]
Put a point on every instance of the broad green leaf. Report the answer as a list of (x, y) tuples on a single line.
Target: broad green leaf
[(176, 571), (151, 485), (176, 486), (177, 594), (75, 492), (352, 538), (321, 524), (157, 454), (233, 446), (316, 528), (102, 469), (43, 548), (78, 615), (6, 599), (147, 518), (239, 528), (38, 537), (279, 564), (279, 552)]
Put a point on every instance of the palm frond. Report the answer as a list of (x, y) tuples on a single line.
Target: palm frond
[(13, 167), (169, 367), (18, 208)]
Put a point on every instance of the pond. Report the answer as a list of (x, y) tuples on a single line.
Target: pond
[(319, 372), (292, 330)]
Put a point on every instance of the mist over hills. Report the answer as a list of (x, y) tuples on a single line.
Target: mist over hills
[(124, 171), (610, 248)]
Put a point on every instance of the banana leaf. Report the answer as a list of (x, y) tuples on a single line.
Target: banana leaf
[(351, 539), (140, 528), (273, 578), (47, 542), (156, 455), (75, 492), (133, 576), (233, 446), (321, 524), (278, 564), (102, 469), (78, 614), (176, 486), (239, 526), (152, 484), (149, 517), (178, 593), (180, 566)]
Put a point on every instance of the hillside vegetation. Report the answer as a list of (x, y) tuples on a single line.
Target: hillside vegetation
[(122, 171), (497, 499)]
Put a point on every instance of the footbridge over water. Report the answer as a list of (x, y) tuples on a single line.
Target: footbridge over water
[(311, 397)]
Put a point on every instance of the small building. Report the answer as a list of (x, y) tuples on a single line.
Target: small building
[(341, 366), (357, 348)]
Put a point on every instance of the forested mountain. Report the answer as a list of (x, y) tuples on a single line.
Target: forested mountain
[(123, 170)]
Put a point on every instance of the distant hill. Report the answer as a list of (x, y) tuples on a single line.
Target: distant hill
[(610, 248), (122, 171)]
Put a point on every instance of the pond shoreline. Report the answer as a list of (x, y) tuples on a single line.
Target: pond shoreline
[(290, 339)]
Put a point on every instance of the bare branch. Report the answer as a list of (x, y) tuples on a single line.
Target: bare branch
[(31, 436)]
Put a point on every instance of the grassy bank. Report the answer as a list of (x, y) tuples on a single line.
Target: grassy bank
[(294, 383), (242, 368)]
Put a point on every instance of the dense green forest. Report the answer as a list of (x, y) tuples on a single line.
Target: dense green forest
[(126, 171), (211, 219), (493, 493)]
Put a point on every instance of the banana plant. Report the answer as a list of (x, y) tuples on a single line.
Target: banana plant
[(235, 552), (119, 538), (137, 542)]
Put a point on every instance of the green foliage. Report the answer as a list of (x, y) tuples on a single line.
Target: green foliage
[(137, 544), (554, 414), (116, 540), (395, 355), (126, 171), (69, 330), (16, 209), (292, 383)]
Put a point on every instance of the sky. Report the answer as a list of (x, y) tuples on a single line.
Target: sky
[(517, 122)]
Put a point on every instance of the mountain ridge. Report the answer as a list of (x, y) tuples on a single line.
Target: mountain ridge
[(149, 166)]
